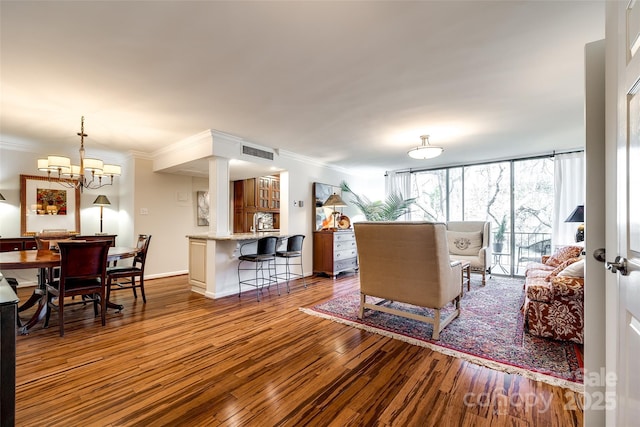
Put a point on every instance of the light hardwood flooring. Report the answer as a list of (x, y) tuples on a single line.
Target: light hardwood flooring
[(182, 359)]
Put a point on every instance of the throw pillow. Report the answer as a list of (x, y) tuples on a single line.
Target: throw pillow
[(556, 271), (464, 243), (563, 254), (574, 270)]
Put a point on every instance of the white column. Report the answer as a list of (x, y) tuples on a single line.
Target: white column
[(219, 203)]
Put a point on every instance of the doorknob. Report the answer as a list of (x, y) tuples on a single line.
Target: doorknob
[(619, 265), (599, 254)]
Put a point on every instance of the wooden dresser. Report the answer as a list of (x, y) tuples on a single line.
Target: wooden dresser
[(27, 243), (334, 252)]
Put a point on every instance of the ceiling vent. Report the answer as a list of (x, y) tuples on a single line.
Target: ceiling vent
[(256, 152)]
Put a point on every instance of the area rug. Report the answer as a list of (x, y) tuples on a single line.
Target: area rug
[(489, 332)]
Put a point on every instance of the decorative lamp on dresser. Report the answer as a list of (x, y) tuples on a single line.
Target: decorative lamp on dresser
[(334, 242)]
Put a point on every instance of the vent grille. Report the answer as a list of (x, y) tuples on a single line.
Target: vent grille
[(255, 152)]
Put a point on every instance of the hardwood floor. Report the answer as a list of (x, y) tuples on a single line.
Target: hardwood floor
[(182, 359)]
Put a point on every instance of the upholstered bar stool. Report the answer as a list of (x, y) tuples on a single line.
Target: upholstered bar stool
[(292, 253), (263, 258)]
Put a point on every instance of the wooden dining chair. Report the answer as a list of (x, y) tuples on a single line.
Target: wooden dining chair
[(116, 274), (49, 240), (83, 271)]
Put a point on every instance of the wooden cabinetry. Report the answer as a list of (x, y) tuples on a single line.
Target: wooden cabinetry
[(255, 195), (268, 194), (29, 243), (334, 252)]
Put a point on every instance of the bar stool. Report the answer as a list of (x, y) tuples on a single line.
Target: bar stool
[(265, 254), (293, 251)]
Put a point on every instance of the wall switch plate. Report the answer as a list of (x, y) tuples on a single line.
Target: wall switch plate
[(144, 211)]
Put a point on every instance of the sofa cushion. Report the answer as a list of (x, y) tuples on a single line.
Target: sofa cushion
[(533, 266), (464, 243), (561, 268), (563, 254), (574, 270)]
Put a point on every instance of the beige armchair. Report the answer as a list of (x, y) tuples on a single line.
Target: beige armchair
[(470, 241), (408, 262)]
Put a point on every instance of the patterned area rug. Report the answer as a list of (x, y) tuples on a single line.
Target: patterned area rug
[(488, 332)]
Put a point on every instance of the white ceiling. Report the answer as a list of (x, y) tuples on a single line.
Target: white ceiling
[(353, 84)]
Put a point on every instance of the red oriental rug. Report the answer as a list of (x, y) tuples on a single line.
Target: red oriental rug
[(489, 332)]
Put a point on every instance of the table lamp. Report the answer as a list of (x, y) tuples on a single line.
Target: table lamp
[(101, 201), (334, 201), (578, 216)]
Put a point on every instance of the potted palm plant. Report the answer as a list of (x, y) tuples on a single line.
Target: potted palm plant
[(499, 236), (390, 210)]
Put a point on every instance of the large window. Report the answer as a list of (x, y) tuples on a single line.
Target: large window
[(515, 196)]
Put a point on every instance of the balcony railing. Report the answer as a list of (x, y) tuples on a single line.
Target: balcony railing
[(527, 247)]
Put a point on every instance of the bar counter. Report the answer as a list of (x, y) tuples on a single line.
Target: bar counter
[(213, 260)]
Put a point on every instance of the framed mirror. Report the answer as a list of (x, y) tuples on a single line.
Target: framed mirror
[(48, 203), (321, 213)]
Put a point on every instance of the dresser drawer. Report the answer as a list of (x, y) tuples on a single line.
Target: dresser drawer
[(345, 244), (345, 264), (8, 246), (345, 254), (341, 237)]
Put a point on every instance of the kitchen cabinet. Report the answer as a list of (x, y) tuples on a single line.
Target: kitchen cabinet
[(254, 195)]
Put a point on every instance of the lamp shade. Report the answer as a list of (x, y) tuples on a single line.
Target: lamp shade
[(334, 200), (577, 215), (101, 200)]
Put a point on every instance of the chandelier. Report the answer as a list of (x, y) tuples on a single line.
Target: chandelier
[(426, 150), (90, 173)]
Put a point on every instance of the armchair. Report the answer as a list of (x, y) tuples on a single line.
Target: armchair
[(408, 262), (470, 241)]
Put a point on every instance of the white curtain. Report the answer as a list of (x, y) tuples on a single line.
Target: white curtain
[(569, 192), (398, 182)]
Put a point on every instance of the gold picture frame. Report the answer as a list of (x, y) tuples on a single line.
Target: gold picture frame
[(62, 210)]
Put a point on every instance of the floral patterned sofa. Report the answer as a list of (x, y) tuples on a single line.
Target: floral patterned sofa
[(554, 296)]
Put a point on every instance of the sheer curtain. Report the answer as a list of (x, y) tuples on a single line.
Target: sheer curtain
[(569, 192), (398, 182)]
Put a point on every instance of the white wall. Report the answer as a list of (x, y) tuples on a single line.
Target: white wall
[(170, 203)]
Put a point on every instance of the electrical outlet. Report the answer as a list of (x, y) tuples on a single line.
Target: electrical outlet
[(144, 211)]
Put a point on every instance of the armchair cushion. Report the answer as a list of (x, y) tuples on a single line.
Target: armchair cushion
[(464, 242)]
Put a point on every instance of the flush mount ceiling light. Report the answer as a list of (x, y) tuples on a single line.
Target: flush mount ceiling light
[(426, 150)]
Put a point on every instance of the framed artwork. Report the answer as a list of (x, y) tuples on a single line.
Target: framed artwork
[(322, 214), (202, 210), (48, 203)]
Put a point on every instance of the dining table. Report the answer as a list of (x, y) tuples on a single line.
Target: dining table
[(43, 259)]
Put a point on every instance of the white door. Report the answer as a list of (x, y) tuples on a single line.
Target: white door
[(627, 21)]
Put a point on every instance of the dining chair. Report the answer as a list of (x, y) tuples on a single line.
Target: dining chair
[(83, 269), (124, 277), (265, 255), (49, 240), (291, 253)]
